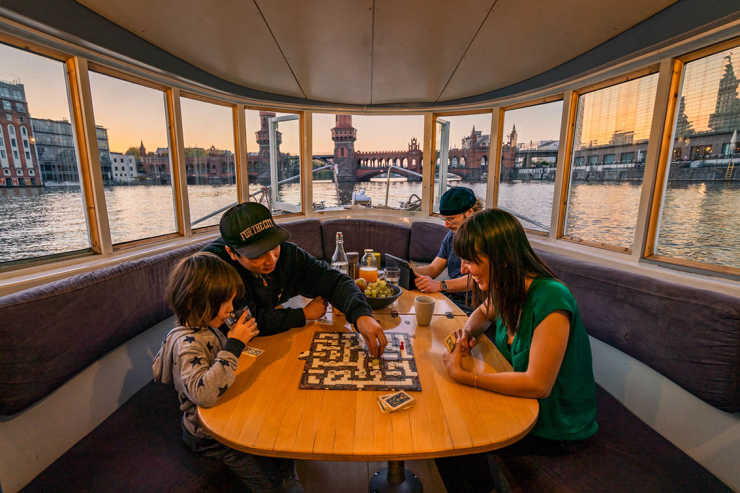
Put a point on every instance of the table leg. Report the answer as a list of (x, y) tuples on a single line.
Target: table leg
[(395, 479)]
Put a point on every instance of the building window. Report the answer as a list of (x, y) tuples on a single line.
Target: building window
[(610, 158), (593, 159), (7, 106), (626, 157)]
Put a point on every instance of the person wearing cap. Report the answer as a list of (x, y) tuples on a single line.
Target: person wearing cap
[(455, 206), (275, 270)]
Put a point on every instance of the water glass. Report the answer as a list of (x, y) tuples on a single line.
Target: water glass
[(393, 275), (234, 316)]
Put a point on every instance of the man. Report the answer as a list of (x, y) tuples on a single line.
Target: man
[(456, 205), (275, 270)]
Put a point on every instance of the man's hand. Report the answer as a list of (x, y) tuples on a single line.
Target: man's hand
[(426, 284), (315, 309), (372, 331)]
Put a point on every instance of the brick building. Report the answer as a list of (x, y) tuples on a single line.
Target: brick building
[(18, 160)]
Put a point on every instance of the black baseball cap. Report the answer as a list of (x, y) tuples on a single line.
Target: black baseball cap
[(456, 200), (250, 230)]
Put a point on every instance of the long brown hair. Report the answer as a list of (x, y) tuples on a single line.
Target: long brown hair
[(499, 237), (197, 287)]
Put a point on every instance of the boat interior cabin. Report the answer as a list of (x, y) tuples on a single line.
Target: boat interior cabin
[(609, 129)]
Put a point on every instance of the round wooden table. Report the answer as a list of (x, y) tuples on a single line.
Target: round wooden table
[(265, 413)]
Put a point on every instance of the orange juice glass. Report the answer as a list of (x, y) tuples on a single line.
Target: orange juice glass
[(370, 274)]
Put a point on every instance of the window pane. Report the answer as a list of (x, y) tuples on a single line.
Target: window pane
[(364, 149), (467, 141), (699, 217), (130, 121), (604, 196), (529, 156), (285, 169), (41, 204), (208, 131)]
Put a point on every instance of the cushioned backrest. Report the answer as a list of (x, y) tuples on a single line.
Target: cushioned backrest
[(359, 234), (691, 336), (426, 238), (306, 233), (50, 332)]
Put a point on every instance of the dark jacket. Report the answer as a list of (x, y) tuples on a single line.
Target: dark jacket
[(296, 272)]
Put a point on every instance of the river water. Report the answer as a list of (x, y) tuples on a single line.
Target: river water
[(700, 221)]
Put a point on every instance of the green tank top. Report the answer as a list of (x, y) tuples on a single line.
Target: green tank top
[(569, 412)]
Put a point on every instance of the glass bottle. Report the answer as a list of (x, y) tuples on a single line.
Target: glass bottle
[(369, 266), (339, 259)]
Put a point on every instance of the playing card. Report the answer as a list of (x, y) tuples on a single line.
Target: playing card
[(381, 404), (253, 351), (397, 400), (304, 355), (450, 342)]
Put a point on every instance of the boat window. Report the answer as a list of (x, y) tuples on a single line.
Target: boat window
[(463, 144), (699, 216), (366, 160), (208, 137), (603, 198), (529, 155), (41, 203), (273, 160), (130, 119)]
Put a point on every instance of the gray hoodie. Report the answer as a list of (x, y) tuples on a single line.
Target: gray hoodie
[(201, 363)]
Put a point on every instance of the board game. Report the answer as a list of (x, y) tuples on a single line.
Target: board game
[(339, 360)]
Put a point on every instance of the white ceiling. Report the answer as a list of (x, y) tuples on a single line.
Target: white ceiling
[(376, 51)]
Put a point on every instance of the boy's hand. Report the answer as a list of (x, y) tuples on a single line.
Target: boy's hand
[(315, 309), (244, 330)]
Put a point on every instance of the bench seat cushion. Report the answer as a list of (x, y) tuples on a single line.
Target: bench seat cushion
[(50, 332), (625, 456), (138, 448), (306, 233), (426, 238), (359, 234)]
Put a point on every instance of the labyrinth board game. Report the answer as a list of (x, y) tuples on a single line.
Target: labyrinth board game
[(339, 360)]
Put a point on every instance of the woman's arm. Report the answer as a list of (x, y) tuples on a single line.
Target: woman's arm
[(549, 342)]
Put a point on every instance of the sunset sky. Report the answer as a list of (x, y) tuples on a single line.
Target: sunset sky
[(134, 113)]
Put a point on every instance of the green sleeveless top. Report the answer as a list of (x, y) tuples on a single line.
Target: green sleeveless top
[(569, 412)]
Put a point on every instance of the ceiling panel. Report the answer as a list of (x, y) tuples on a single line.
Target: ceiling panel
[(523, 38), (327, 43), (227, 38), (417, 45)]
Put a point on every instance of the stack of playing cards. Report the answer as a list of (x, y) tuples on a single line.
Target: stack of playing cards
[(395, 401)]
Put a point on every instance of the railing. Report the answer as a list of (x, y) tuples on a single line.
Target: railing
[(264, 194)]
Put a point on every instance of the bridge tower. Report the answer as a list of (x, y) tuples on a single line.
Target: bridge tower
[(344, 136), (263, 140)]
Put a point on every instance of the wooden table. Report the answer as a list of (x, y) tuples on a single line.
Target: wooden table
[(265, 413)]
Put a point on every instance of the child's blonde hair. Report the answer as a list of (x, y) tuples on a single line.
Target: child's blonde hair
[(197, 287)]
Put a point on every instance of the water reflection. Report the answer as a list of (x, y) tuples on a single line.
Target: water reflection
[(700, 221)]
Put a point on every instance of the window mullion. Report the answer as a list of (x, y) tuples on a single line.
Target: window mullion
[(177, 161), (91, 176), (240, 146), (494, 156), (656, 159), (562, 171)]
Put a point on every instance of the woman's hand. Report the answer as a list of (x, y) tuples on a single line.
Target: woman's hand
[(453, 362), (465, 340), (245, 329)]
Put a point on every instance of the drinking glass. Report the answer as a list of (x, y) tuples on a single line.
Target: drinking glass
[(393, 275)]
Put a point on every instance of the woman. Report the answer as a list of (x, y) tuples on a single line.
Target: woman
[(533, 320)]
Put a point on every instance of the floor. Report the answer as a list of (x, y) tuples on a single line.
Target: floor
[(353, 477)]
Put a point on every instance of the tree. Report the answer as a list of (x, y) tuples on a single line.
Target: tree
[(134, 151)]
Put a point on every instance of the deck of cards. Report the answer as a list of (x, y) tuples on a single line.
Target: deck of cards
[(253, 351), (396, 401)]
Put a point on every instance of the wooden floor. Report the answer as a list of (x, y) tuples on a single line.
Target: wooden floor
[(354, 477)]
